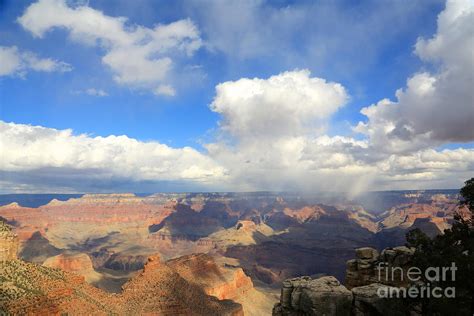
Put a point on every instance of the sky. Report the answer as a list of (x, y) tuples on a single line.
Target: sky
[(250, 95)]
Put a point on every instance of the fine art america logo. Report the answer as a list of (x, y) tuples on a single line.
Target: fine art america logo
[(414, 275)]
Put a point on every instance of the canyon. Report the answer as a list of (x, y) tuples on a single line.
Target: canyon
[(236, 248)]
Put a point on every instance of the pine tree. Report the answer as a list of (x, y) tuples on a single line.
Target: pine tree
[(455, 245)]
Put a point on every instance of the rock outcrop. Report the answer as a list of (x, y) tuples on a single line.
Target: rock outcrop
[(223, 282), (224, 279), (8, 243), (305, 296), (388, 268), (79, 263), (245, 232), (368, 302)]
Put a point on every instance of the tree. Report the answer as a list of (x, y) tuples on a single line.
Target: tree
[(456, 246), (467, 195)]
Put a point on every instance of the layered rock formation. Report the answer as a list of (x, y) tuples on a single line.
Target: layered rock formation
[(223, 278), (79, 264), (95, 215), (326, 296), (304, 214), (361, 296), (28, 288), (219, 280), (160, 289), (388, 268), (315, 246), (439, 212), (245, 232), (367, 302), (192, 285), (305, 296), (273, 236), (8, 243)]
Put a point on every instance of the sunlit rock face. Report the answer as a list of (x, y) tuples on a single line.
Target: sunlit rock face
[(217, 279), (79, 264), (222, 278), (8, 243)]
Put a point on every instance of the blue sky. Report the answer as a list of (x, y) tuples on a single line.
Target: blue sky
[(368, 47), (49, 100)]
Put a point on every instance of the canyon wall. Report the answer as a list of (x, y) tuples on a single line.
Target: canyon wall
[(272, 236), (360, 296), (79, 264), (9, 243)]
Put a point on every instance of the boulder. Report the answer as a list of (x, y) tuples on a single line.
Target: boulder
[(403, 255), (289, 286), (364, 270), (367, 253), (388, 254), (305, 296), (368, 301)]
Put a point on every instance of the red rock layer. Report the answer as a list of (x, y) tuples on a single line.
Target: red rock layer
[(439, 212), (305, 213), (216, 279), (94, 209), (157, 290)]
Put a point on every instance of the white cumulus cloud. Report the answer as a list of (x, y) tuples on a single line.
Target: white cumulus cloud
[(33, 149), (266, 125), (289, 104), (272, 137), (139, 56), (435, 107)]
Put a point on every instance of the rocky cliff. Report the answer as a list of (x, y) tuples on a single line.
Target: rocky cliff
[(219, 280), (223, 278), (79, 264), (305, 296), (8, 243), (439, 212), (388, 267)]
